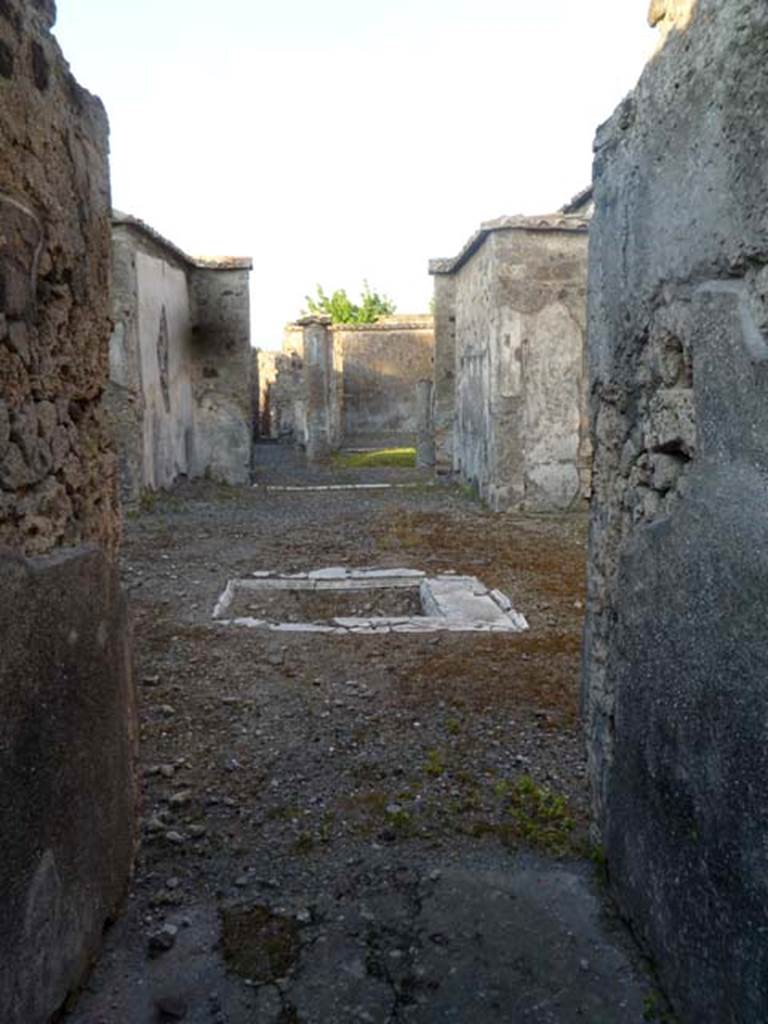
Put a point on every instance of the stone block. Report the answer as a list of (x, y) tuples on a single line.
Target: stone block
[(67, 784)]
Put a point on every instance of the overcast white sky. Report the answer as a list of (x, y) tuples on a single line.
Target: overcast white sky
[(349, 139)]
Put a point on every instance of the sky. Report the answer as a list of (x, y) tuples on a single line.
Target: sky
[(348, 140)]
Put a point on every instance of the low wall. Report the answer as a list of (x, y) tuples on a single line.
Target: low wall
[(510, 381), (676, 656), (180, 363)]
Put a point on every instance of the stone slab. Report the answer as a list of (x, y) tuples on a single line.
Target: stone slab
[(67, 772)]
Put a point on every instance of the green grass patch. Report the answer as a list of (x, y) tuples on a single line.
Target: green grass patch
[(538, 817), (392, 458)]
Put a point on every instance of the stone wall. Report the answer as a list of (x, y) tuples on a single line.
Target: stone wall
[(288, 399), (57, 472), (67, 788), (307, 394), (180, 363), (510, 382), (383, 363), (376, 370), (676, 656), (221, 369), (444, 397), (264, 377)]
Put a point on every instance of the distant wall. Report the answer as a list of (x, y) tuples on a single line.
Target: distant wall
[(287, 397), (376, 370), (265, 374), (510, 383), (180, 363), (67, 785), (383, 363), (676, 655)]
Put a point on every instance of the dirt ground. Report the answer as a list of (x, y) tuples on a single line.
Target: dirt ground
[(339, 828)]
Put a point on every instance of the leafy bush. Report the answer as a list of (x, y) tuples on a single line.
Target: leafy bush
[(340, 308)]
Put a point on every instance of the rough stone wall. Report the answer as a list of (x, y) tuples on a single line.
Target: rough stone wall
[(265, 374), (514, 315), (57, 472), (180, 363), (288, 399), (676, 656), (383, 363), (67, 788), (445, 371)]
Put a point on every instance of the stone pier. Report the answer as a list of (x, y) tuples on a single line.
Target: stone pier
[(510, 380), (425, 425), (676, 657), (322, 388)]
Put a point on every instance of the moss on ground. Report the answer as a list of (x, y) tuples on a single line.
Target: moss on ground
[(258, 944), (385, 458)]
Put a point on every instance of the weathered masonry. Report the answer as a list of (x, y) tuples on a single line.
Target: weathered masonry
[(509, 380), (67, 788), (383, 363), (676, 659), (263, 378), (376, 371), (180, 362)]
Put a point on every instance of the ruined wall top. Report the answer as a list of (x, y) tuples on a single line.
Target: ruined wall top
[(401, 322), (405, 322), (134, 224), (309, 319), (582, 204), (553, 222)]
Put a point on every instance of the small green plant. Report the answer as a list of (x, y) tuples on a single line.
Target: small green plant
[(653, 1011), (305, 843), (326, 826), (400, 820), (435, 763), (453, 726), (501, 788), (599, 858), (470, 491), (539, 817), (148, 501)]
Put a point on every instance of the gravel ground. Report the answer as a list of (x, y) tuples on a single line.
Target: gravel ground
[(359, 828)]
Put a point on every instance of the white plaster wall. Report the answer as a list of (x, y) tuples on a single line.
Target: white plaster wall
[(168, 435)]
